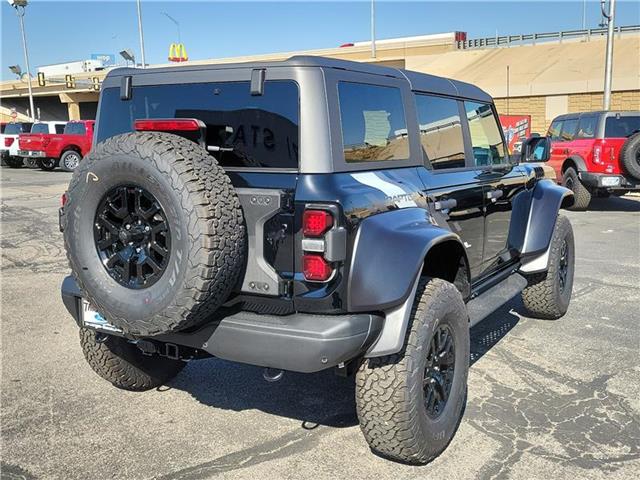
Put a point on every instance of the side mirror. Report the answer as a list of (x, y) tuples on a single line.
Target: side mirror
[(536, 149)]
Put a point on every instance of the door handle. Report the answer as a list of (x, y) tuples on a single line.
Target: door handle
[(494, 194), (445, 204)]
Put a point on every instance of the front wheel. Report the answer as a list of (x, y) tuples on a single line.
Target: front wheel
[(70, 160), (47, 164), (581, 196), (123, 364), (548, 293), (410, 403)]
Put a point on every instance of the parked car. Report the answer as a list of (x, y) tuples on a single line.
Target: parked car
[(596, 153), (309, 214), (34, 137), (9, 143), (64, 149)]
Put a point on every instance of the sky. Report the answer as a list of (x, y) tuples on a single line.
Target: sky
[(66, 31)]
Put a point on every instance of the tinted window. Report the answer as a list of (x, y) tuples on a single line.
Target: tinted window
[(373, 123), (440, 131), (265, 127), (554, 130), (74, 128), (587, 126), (486, 137), (40, 128), (16, 128), (568, 131), (621, 127), (60, 127)]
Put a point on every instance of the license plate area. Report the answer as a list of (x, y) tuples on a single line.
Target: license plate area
[(92, 319)]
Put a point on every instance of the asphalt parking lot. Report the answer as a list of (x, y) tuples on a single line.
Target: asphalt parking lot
[(546, 399)]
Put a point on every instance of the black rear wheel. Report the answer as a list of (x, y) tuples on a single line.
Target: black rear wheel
[(47, 164)]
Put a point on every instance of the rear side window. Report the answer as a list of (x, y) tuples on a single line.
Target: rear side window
[(60, 127), (587, 126), (486, 135), (568, 131), (440, 131), (75, 128), (621, 127), (265, 128), (16, 128), (40, 128), (373, 121)]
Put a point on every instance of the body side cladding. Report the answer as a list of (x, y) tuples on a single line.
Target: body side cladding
[(389, 252), (547, 198)]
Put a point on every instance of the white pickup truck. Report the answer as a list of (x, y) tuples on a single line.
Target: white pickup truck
[(9, 139)]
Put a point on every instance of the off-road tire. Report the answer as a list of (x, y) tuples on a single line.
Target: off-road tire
[(124, 365), (47, 164), (630, 155), (543, 297), (390, 400), (208, 246), (581, 195), (14, 162), (65, 160)]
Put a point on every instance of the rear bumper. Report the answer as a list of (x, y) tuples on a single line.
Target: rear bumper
[(31, 153), (299, 342), (609, 181)]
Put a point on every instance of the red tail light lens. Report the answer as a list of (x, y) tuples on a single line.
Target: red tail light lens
[(168, 125), (316, 222), (63, 199), (8, 141), (597, 153), (315, 268)]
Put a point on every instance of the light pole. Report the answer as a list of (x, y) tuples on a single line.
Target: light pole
[(141, 34), (19, 5), (373, 29), (608, 66), (176, 23)]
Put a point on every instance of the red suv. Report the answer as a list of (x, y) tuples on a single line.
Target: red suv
[(596, 153)]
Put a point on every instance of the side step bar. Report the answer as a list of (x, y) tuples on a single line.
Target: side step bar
[(493, 298)]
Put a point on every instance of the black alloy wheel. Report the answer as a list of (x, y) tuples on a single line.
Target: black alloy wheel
[(438, 373), (563, 266), (132, 236)]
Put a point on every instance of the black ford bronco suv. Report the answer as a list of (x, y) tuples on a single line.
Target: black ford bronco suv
[(304, 215)]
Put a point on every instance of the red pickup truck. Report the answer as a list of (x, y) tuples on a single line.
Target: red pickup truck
[(596, 153), (65, 150)]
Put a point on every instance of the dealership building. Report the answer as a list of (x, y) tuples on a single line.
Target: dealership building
[(541, 75)]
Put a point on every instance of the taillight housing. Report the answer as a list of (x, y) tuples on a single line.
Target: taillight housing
[(168, 125), (63, 199), (316, 222), (8, 141), (315, 268), (597, 154)]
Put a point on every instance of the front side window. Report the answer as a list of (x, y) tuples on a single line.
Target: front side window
[(568, 131), (264, 129), (40, 128), (485, 132), (554, 130), (373, 121), (440, 131), (622, 126), (587, 126), (74, 129)]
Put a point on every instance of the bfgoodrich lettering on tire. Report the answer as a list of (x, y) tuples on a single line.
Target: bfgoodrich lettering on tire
[(410, 404), (155, 234)]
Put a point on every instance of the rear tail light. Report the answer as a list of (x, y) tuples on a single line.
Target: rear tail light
[(169, 125), (8, 141), (597, 154), (63, 199), (315, 268), (316, 222)]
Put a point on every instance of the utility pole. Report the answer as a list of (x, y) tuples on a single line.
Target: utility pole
[(144, 63), (373, 29), (608, 66)]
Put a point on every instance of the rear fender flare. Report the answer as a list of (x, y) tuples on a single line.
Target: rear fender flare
[(579, 162)]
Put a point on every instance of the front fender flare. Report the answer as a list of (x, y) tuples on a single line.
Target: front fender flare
[(388, 254)]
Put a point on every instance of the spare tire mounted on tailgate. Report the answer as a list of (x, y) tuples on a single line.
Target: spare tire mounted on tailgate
[(155, 233)]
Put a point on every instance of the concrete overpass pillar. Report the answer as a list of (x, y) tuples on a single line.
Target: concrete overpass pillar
[(73, 101)]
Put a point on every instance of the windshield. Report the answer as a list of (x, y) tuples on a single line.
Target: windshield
[(40, 128), (622, 126)]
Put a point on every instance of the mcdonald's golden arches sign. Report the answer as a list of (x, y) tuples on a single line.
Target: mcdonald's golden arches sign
[(177, 53)]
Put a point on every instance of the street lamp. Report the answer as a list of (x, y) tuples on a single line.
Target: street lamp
[(20, 5), (17, 70), (177, 24), (128, 56), (141, 34), (608, 67)]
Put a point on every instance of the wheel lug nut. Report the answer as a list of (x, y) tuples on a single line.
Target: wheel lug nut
[(147, 228), (127, 226)]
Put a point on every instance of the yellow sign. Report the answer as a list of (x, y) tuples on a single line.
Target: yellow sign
[(177, 53)]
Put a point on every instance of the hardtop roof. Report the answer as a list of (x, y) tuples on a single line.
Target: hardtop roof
[(418, 81)]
